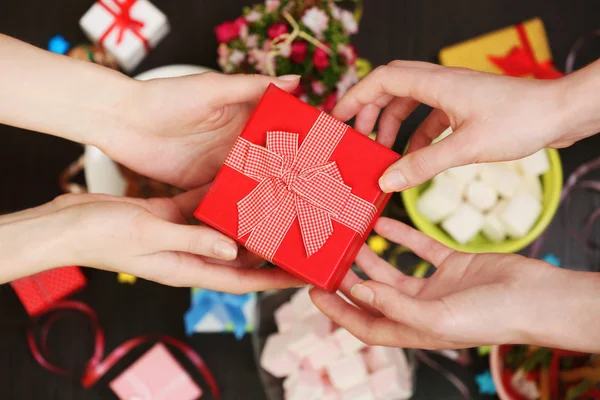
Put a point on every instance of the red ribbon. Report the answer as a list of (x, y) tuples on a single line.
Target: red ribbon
[(123, 21), (296, 182), (96, 367), (521, 61)]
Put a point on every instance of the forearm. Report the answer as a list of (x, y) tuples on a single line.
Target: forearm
[(61, 96), (570, 316)]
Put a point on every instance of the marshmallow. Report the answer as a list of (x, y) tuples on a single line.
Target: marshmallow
[(319, 323), (493, 227), (514, 165), (451, 183), (347, 342), (360, 392), (535, 164), (304, 339), (443, 135), (532, 185), (329, 393), (379, 357), (323, 354), (347, 372), (391, 384), (505, 180), (464, 173), (520, 214), (439, 201), (481, 196), (285, 317), (306, 386), (463, 224), (276, 359), (303, 305)]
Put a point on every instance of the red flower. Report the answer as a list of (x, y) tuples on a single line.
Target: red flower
[(299, 50), (329, 102), (321, 59), (230, 30), (277, 29), (352, 55)]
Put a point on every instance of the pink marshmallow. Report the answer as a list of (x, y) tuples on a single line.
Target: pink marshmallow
[(360, 392), (330, 393), (302, 304), (324, 354), (276, 358), (348, 343), (347, 372), (391, 384), (304, 341), (306, 386), (378, 357), (285, 317), (320, 322)]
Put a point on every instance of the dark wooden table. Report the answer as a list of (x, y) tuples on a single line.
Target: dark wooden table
[(30, 164)]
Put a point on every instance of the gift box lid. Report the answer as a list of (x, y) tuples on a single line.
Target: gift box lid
[(360, 162)]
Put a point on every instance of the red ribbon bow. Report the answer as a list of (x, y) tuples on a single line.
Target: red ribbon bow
[(521, 61), (296, 183), (123, 21)]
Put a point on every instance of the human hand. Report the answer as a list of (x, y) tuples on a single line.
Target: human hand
[(494, 118), (145, 238), (180, 130), (471, 300)]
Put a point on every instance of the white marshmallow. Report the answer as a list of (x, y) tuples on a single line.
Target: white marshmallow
[(535, 164), (276, 359), (303, 305), (305, 339), (532, 185), (520, 214), (391, 384), (443, 135), (464, 223), (307, 386), (464, 173), (347, 372), (505, 180), (439, 201), (360, 392), (450, 182), (481, 196), (347, 343), (493, 228), (324, 354), (285, 317), (329, 393), (380, 357)]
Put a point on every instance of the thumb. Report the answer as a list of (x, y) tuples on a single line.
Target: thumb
[(422, 165), (233, 89)]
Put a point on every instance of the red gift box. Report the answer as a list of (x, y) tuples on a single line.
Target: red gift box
[(300, 189), (38, 292)]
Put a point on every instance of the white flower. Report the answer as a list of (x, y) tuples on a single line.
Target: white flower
[(259, 59), (272, 5), (237, 57), (316, 20), (252, 41), (336, 12), (349, 79), (285, 50), (348, 22), (253, 16)]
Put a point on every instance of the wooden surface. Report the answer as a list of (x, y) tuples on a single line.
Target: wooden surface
[(30, 164)]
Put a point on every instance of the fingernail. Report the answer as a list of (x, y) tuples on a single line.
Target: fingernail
[(392, 181), (363, 293), (289, 77), (225, 250)]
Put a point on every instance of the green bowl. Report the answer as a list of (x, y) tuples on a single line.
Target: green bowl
[(552, 182)]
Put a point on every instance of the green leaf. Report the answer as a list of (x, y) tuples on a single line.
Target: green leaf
[(541, 356), (578, 390)]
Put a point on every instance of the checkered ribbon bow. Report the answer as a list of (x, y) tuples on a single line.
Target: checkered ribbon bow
[(296, 183)]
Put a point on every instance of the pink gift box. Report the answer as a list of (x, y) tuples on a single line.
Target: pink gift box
[(155, 376)]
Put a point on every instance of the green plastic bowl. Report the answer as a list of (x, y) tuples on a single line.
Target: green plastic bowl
[(552, 182)]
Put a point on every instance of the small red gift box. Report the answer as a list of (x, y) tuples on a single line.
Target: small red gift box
[(38, 292), (300, 189)]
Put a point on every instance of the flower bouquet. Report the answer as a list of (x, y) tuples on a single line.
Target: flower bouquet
[(310, 38)]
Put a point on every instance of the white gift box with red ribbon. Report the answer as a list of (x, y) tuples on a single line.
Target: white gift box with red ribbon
[(127, 29)]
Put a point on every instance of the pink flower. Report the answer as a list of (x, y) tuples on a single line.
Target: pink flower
[(299, 50), (223, 52), (320, 59), (253, 16), (329, 102), (348, 52), (285, 50), (230, 30), (277, 29), (349, 79), (258, 58), (348, 22), (318, 87), (272, 5), (252, 41), (237, 57), (304, 98), (316, 20)]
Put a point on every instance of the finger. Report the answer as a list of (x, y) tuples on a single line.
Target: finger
[(188, 202), (422, 245), (435, 123), (392, 117), (375, 331), (430, 316), (232, 89), (245, 259), (366, 119), (191, 271), (426, 85), (199, 240), (422, 165), (348, 283), (379, 270)]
